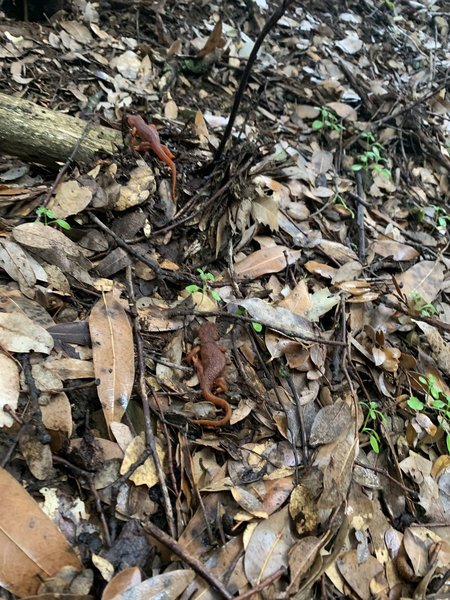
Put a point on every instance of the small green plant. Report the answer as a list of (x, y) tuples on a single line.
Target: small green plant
[(326, 119), (338, 199), (206, 279), (372, 160), (373, 415), (256, 326), (50, 218), (435, 401), (442, 218), (389, 4), (425, 308)]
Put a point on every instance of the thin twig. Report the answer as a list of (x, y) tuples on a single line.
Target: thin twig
[(68, 162), (149, 437), (386, 474), (273, 19), (36, 415), (159, 271), (89, 477), (194, 563), (264, 583), (360, 220)]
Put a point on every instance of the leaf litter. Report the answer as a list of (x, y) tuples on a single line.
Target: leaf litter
[(316, 239)]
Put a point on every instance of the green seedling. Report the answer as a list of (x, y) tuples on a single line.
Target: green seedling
[(373, 415), (372, 160), (435, 402), (426, 309), (256, 326), (442, 218), (338, 199), (206, 279), (327, 119), (50, 218)]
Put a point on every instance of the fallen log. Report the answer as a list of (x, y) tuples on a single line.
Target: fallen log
[(40, 135)]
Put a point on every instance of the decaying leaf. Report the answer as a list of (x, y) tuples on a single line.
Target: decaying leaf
[(266, 260), (268, 547), (113, 354), (32, 548)]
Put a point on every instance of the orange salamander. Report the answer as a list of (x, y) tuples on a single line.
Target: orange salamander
[(149, 137)]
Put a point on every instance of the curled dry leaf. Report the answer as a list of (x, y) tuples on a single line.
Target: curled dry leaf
[(32, 549), (214, 41), (113, 355)]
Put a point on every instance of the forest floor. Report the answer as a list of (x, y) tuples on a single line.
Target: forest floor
[(315, 238)]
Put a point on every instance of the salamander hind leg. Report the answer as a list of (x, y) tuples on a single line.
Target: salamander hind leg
[(220, 385)]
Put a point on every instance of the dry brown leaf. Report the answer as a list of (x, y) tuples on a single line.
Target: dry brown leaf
[(336, 461), (120, 583), (301, 558), (113, 355), (303, 510), (18, 333), (266, 260), (346, 112), (321, 161), (318, 268), (358, 574), (140, 186), (146, 474), (265, 211), (57, 413), (155, 318), (31, 547), (55, 248), (70, 368), (424, 278), (268, 547), (9, 389), (397, 250), (17, 263), (330, 424), (277, 317), (339, 252), (248, 498), (38, 456), (298, 300), (214, 41), (201, 129), (322, 301), (71, 198), (439, 347)]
